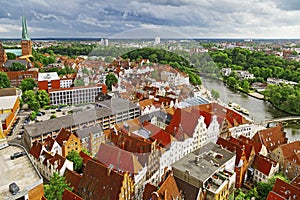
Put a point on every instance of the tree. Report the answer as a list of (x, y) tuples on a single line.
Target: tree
[(17, 67), (28, 84), (76, 159), (43, 97), (11, 56), (57, 185), (29, 97), (110, 79), (4, 81), (215, 94), (86, 152)]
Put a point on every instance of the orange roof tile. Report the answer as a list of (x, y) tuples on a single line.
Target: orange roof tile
[(98, 181), (68, 195), (169, 189), (296, 182), (119, 159), (290, 148), (73, 178), (271, 137), (286, 190), (257, 146), (248, 147), (62, 136), (36, 149), (263, 164)]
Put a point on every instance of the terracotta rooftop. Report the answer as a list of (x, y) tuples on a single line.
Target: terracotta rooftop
[(296, 182), (85, 157), (271, 137), (263, 164), (148, 190), (73, 178), (257, 146), (99, 181), (284, 191), (118, 159), (290, 148), (169, 189), (230, 146), (68, 195), (248, 147), (36, 149), (62, 136), (294, 158)]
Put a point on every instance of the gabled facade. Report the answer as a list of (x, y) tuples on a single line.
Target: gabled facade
[(68, 141), (101, 182), (264, 168), (284, 191)]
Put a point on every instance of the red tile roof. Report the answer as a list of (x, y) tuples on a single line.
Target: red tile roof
[(257, 146), (248, 148), (286, 190), (263, 164), (131, 142), (271, 137), (62, 136), (58, 160), (169, 189), (48, 143), (274, 196), (149, 189), (98, 181), (118, 159), (231, 147), (85, 157), (68, 195), (296, 182), (36, 149), (290, 148), (182, 123), (73, 178), (162, 137), (294, 158)]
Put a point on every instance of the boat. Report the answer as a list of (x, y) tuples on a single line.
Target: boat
[(244, 111), (238, 108)]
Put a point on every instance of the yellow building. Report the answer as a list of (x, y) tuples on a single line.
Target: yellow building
[(9, 108), (68, 142)]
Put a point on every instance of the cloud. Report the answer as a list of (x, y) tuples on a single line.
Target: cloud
[(196, 18)]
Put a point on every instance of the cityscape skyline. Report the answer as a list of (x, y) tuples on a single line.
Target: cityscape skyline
[(174, 19)]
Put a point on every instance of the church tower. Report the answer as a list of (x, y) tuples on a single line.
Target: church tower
[(3, 56), (25, 42)]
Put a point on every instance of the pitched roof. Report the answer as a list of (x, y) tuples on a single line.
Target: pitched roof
[(290, 148), (48, 143), (248, 148), (73, 178), (62, 136), (131, 142), (183, 122), (230, 146), (257, 146), (294, 158), (58, 160), (85, 157), (296, 182), (118, 159), (162, 137), (36, 149), (263, 164), (285, 190), (169, 189), (85, 132), (68, 195), (271, 137), (148, 190), (274, 196), (98, 181)]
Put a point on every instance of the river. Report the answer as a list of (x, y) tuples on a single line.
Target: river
[(259, 110)]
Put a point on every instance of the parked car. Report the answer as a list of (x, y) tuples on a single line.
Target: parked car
[(14, 188), (17, 155)]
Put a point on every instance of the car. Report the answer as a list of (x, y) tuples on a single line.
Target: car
[(14, 188), (17, 155), (58, 110)]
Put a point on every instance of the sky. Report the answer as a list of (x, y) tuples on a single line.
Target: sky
[(155, 18)]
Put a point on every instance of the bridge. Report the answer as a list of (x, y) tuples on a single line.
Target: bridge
[(280, 119)]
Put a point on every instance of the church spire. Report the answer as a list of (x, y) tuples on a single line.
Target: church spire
[(25, 35)]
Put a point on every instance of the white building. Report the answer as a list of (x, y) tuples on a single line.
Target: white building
[(247, 130), (74, 95), (264, 168)]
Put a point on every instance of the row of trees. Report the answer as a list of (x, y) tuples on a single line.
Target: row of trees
[(69, 49)]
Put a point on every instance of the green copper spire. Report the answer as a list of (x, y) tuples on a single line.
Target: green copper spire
[(25, 35)]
